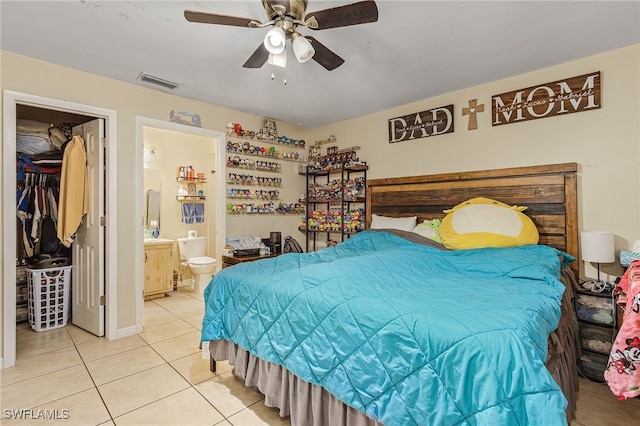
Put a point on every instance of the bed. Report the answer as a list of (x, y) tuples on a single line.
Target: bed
[(355, 334)]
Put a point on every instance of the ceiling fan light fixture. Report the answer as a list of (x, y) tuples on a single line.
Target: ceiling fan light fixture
[(278, 60), (275, 40), (302, 48)]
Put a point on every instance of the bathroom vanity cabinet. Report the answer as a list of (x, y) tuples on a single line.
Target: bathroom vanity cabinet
[(158, 272)]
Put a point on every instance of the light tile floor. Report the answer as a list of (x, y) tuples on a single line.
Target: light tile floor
[(155, 378), (160, 378)]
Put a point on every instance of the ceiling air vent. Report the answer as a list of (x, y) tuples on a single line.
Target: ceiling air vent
[(158, 81)]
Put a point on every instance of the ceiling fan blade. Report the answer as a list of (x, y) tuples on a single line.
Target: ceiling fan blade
[(258, 58), (352, 14), (324, 56), (212, 18)]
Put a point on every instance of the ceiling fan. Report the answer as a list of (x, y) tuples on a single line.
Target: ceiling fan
[(285, 16)]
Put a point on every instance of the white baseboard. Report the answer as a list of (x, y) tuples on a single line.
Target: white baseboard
[(128, 331)]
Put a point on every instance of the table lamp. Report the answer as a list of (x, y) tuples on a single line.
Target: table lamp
[(597, 247)]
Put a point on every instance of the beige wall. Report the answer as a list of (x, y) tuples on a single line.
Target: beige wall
[(605, 142), (27, 75)]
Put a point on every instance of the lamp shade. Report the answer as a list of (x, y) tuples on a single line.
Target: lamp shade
[(149, 155), (275, 40), (597, 246), (279, 60), (302, 48)]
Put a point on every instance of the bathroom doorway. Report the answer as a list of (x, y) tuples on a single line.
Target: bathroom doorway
[(162, 148)]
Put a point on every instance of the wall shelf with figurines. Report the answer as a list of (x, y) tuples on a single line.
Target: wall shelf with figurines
[(248, 179), (238, 162), (253, 194), (265, 208), (260, 151), (268, 134)]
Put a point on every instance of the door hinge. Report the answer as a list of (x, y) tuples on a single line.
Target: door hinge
[(103, 300), (103, 221)]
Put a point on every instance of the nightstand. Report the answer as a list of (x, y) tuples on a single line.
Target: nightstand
[(233, 260)]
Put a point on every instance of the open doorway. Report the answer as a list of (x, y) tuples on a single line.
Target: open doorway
[(212, 165), (20, 103)]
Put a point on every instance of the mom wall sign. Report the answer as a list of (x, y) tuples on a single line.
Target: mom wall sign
[(575, 94)]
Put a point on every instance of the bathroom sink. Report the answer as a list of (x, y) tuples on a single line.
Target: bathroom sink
[(158, 240)]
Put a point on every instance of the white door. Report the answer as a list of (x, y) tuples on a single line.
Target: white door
[(87, 295)]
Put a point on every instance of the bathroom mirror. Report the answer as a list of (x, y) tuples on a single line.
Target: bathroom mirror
[(152, 195)]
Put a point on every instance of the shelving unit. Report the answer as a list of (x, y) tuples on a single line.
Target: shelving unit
[(253, 181), (597, 325), (335, 207), (194, 193)]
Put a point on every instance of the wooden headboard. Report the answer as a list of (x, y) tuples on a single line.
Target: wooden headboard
[(549, 192)]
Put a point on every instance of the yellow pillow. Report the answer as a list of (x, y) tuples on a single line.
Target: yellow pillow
[(483, 222)]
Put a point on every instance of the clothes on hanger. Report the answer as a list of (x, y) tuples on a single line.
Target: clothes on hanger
[(36, 205), (74, 195)]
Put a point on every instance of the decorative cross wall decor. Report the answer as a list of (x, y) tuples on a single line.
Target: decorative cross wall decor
[(471, 112)]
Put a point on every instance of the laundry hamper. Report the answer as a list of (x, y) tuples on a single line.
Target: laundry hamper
[(48, 297)]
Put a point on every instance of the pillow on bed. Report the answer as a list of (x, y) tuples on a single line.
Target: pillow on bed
[(483, 222), (400, 223), (429, 229)]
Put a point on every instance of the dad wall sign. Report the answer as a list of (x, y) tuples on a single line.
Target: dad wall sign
[(575, 94), (432, 122)]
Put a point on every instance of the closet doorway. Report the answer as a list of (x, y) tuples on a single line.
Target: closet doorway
[(215, 190), (97, 126)]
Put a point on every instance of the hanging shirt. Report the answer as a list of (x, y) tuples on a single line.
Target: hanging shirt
[(73, 203)]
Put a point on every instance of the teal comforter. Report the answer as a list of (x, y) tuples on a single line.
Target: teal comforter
[(407, 333)]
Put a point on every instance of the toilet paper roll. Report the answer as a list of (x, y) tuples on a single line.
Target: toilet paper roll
[(636, 246), (192, 234)]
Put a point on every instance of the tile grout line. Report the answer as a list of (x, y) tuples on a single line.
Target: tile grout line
[(91, 377), (83, 362)]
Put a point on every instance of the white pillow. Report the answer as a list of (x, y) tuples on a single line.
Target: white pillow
[(400, 223)]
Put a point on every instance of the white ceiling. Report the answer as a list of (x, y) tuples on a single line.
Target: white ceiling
[(416, 50)]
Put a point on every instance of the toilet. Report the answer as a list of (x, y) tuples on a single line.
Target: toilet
[(192, 251)]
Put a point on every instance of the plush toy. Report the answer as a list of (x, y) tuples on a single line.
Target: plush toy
[(429, 229), (483, 222)]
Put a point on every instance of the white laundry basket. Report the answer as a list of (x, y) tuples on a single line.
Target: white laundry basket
[(48, 297)]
